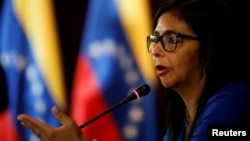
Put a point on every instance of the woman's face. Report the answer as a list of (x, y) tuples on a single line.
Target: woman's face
[(180, 68)]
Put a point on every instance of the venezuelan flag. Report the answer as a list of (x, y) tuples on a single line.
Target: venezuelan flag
[(113, 60), (30, 56)]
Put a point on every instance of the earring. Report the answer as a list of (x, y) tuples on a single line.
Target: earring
[(204, 71)]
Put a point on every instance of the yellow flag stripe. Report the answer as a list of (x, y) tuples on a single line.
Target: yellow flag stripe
[(37, 19), (135, 16)]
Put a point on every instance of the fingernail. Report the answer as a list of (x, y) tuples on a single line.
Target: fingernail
[(23, 123)]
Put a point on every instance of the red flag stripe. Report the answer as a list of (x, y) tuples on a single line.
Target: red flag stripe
[(7, 129), (88, 101)]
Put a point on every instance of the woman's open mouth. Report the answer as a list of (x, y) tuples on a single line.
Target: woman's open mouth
[(160, 69)]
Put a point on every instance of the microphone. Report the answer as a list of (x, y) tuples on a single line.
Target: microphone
[(141, 91)]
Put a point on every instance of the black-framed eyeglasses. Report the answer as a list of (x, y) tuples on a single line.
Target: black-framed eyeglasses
[(169, 40)]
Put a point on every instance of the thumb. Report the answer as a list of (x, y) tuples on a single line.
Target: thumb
[(61, 116)]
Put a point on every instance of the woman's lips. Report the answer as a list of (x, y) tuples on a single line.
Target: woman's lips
[(160, 69)]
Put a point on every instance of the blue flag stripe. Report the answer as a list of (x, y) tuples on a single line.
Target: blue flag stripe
[(105, 44)]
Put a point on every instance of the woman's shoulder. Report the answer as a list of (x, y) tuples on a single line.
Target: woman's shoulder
[(230, 104), (228, 107), (232, 91)]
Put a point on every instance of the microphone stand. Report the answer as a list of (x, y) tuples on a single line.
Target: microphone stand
[(136, 94), (100, 115)]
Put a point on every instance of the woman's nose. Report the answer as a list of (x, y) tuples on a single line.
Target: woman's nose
[(157, 50)]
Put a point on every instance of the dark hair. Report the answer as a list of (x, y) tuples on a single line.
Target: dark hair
[(221, 45)]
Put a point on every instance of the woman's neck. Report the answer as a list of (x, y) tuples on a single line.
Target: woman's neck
[(190, 97)]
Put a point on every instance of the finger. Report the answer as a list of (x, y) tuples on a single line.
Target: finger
[(61, 116), (36, 126)]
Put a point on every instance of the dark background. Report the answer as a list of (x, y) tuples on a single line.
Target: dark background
[(70, 18)]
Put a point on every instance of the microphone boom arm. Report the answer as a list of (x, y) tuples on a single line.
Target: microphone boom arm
[(100, 115), (136, 94)]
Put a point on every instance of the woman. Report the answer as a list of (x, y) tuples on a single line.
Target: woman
[(194, 52)]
